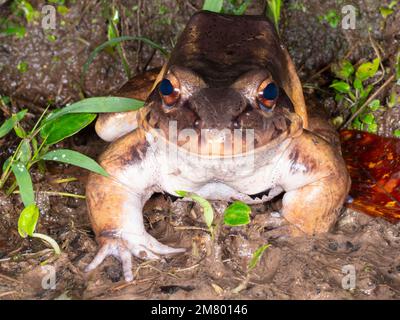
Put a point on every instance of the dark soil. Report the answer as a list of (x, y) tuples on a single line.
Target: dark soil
[(301, 268)]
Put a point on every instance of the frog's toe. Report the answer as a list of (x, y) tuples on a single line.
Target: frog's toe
[(149, 248), (117, 249)]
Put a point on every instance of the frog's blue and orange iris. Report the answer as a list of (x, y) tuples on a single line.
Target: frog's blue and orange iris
[(166, 87), (268, 93), (168, 91)]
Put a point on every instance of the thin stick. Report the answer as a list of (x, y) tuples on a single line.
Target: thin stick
[(366, 103), (3, 276)]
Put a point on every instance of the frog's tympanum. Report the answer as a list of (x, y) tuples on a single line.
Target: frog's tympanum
[(226, 120)]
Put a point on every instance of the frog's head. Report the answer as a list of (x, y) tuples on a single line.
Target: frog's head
[(228, 87)]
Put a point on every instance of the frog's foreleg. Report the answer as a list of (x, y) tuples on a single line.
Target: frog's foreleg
[(111, 126), (115, 203)]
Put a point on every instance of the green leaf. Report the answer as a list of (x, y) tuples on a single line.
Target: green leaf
[(25, 152), (332, 18), (343, 70), (340, 86), (368, 118), (19, 131), (375, 105), (237, 214), (396, 133), (76, 159), (358, 84), (24, 182), (29, 12), (9, 124), (398, 67), (257, 256), (207, 208), (367, 70), (6, 163), (27, 220), (385, 12), (22, 67), (65, 126), (373, 128), (97, 105), (274, 11), (17, 31), (337, 121), (63, 10), (213, 5)]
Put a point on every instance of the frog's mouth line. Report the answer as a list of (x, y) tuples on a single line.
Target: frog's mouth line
[(221, 144)]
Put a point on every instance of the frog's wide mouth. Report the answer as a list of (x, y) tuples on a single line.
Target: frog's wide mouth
[(226, 143)]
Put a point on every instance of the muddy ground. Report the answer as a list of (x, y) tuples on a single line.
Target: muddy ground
[(301, 268)]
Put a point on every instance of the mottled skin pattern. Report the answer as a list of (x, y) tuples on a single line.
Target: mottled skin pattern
[(218, 64)]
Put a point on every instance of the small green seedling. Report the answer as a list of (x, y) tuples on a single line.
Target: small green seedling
[(331, 17), (388, 10), (352, 90), (22, 66), (207, 208), (237, 214), (27, 224), (113, 33), (34, 149), (257, 256)]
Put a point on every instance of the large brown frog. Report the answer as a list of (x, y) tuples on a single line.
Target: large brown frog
[(226, 120)]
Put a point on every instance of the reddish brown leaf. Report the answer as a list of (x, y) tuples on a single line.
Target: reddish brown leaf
[(374, 166)]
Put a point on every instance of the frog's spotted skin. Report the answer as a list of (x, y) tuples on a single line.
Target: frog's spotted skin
[(220, 65)]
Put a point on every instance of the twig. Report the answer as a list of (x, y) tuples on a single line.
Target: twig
[(376, 49), (7, 293), (366, 103), (3, 276)]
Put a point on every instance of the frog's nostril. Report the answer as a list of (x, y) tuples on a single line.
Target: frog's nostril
[(197, 123)]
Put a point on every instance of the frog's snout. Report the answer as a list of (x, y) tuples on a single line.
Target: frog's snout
[(217, 108)]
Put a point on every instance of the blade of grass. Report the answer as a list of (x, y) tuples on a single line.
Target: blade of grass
[(97, 105), (116, 41), (24, 182), (274, 11), (75, 158)]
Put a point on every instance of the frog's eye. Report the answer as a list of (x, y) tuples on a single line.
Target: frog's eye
[(169, 91), (268, 93)]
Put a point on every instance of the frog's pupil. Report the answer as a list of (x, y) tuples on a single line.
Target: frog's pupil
[(166, 87), (270, 92)]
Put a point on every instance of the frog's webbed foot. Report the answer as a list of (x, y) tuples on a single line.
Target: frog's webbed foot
[(143, 246)]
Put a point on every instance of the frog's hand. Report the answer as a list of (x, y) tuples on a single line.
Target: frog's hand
[(374, 166), (115, 203), (111, 126)]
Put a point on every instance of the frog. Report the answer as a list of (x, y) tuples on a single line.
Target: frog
[(225, 119)]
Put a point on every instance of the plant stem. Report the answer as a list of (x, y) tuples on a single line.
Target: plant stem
[(366, 103), (61, 194), (49, 240)]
